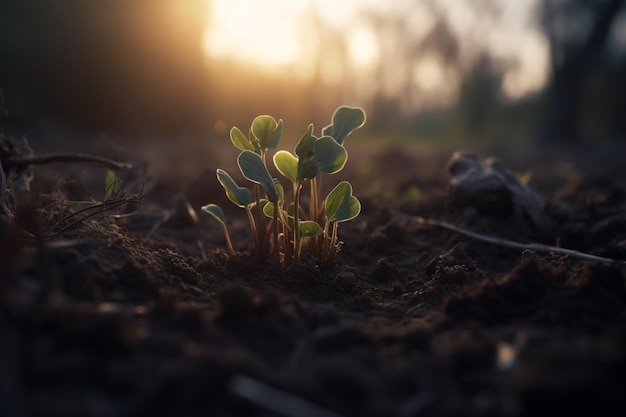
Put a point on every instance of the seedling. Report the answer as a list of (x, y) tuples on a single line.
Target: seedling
[(288, 232)]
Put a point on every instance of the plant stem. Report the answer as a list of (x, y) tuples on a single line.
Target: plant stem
[(325, 240), (313, 205), (275, 235), (253, 228), (296, 220), (229, 243), (329, 247), (260, 230), (287, 247)]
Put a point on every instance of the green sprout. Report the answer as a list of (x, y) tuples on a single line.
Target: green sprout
[(288, 232), (112, 185)]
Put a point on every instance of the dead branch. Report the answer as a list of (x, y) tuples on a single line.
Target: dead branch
[(22, 161), (537, 247)]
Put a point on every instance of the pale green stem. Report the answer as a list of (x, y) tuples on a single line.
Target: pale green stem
[(275, 235), (260, 221), (229, 243), (325, 240), (296, 220), (255, 236), (313, 207)]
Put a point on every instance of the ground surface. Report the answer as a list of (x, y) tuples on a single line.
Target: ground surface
[(132, 319)]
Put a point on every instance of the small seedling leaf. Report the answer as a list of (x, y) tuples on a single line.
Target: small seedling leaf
[(287, 164), (240, 140), (306, 169), (262, 202), (345, 121), (304, 148), (112, 185), (329, 156), (310, 228), (216, 212), (267, 131), (268, 209), (239, 195), (253, 168), (341, 205)]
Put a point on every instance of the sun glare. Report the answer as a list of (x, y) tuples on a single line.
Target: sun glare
[(260, 35), (272, 35), (268, 34)]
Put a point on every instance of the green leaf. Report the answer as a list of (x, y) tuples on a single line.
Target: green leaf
[(267, 131), (268, 209), (240, 140), (306, 169), (304, 148), (345, 121), (253, 168), (262, 202), (287, 164), (112, 185), (216, 212), (341, 205), (329, 156), (309, 228), (239, 195)]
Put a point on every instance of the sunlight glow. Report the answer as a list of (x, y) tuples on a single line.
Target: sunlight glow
[(363, 47), (268, 34), (428, 74), (250, 33), (277, 36)]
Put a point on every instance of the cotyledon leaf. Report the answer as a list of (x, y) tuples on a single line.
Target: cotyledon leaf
[(240, 140), (345, 121), (267, 131), (287, 164), (216, 212), (341, 205), (253, 168), (309, 228), (330, 156), (239, 195)]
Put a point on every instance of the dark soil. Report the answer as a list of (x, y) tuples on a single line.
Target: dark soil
[(129, 318)]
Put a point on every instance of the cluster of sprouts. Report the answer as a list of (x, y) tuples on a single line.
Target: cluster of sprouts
[(287, 232)]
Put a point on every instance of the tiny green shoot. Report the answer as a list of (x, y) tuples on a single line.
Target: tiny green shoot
[(218, 214), (112, 185), (287, 232)]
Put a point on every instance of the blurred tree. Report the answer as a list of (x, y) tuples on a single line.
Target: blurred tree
[(480, 97), (578, 32)]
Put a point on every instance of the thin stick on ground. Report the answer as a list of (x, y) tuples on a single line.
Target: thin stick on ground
[(93, 210), (538, 247), (21, 161), (275, 400)]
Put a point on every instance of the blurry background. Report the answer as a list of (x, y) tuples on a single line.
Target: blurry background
[(458, 71)]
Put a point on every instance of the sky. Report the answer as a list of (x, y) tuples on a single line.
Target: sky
[(271, 35)]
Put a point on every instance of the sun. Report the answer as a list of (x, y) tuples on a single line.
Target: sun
[(250, 33), (269, 34)]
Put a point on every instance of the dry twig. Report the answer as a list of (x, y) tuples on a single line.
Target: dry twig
[(538, 247), (21, 161)]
